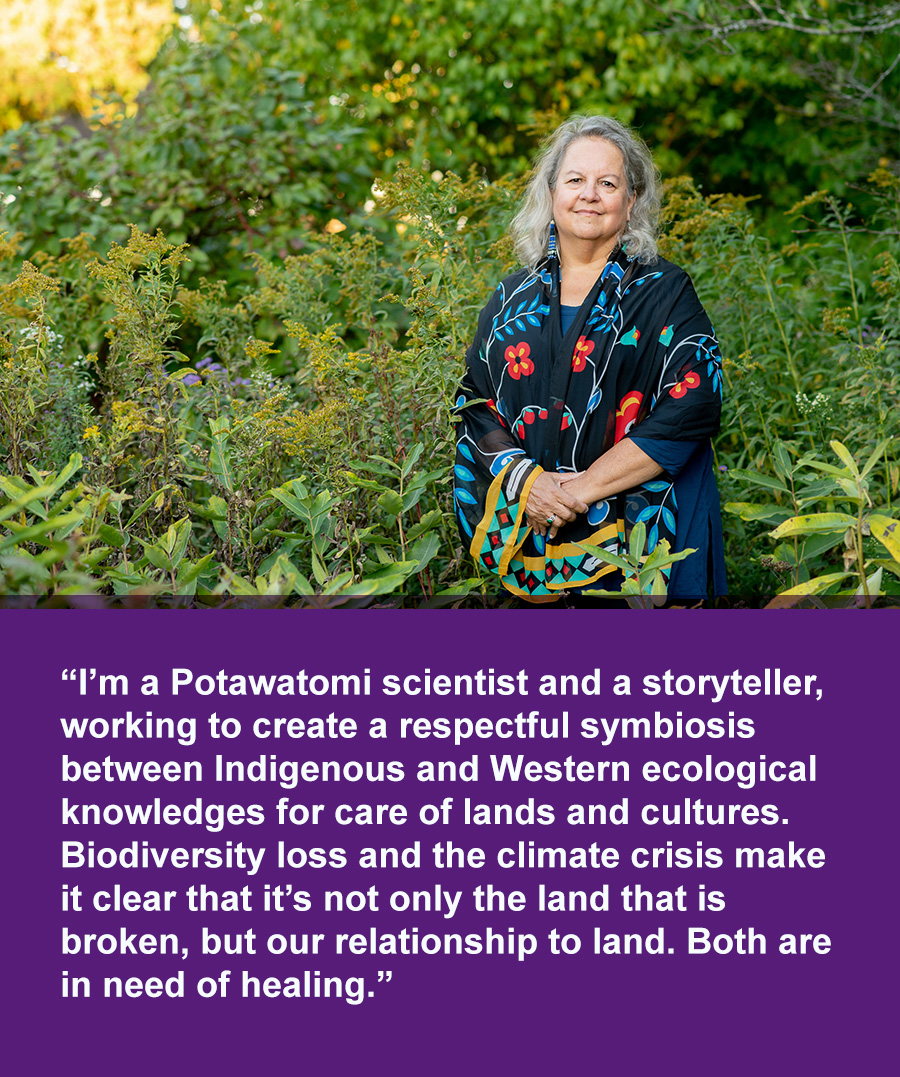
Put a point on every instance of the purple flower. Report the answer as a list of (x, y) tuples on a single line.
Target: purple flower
[(190, 379)]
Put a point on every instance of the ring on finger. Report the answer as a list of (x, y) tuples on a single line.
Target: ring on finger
[(550, 520)]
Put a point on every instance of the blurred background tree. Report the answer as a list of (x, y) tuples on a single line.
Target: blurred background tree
[(62, 57), (451, 83), (264, 120)]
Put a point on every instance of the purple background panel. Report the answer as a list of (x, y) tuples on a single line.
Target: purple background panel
[(584, 1013)]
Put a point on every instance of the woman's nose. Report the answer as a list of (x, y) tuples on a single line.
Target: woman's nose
[(590, 192)]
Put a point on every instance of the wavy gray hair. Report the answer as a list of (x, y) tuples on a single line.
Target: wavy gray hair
[(530, 228)]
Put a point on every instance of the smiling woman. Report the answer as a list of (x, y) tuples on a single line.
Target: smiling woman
[(592, 388)]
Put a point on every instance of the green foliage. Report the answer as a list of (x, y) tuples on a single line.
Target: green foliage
[(849, 484), (287, 437), (226, 152), (463, 82), (643, 577)]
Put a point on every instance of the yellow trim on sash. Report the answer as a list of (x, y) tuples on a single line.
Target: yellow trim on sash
[(521, 530), (519, 533)]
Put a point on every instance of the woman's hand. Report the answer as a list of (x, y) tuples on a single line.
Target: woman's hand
[(549, 498), (622, 467)]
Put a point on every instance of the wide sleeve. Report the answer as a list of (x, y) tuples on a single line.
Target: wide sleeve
[(687, 402), (672, 456), (493, 473)]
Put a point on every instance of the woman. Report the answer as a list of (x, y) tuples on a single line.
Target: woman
[(593, 385)]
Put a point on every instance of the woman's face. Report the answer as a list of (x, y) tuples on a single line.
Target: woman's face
[(590, 201)]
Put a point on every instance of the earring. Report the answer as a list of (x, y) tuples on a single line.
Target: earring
[(551, 246)]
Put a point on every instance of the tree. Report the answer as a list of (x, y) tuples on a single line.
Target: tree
[(226, 152), (451, 83), (55, 55), (847, 49)]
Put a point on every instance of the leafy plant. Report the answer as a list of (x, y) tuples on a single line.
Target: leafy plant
[(644, 579)]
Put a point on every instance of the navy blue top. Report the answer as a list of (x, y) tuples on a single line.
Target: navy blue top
[(567, 316), (699, 521)]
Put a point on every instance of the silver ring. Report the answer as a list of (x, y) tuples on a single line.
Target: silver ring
[(550, 519)]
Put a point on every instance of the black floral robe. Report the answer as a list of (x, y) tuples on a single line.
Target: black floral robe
[(641, 358)]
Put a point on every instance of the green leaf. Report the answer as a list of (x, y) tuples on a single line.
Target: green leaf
[(428, 521), (391, 502), (662, 557), (782, 460), (35, 532), (872, 586), (395, 568), (829, 469), (218, 513), (410, 462), (770, 513), (608, 558), (237, 585), (338, 583), (411, 498), (157, 557), (319, 570), (875, 457), (111, 535), (394, 467), (423, 550), (176, 539), (181, 372), (844, 453), (364, 484), (815, 524), (25, 499), (145, 505), (758, 479), (186, 581), (818, 544), (92, 559), (219, 463), (637, 543), (376, 469), (291, 503), (891, 566), (816, 585), (74, 464)]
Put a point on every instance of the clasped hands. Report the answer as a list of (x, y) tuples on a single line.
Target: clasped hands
[(553, 495)]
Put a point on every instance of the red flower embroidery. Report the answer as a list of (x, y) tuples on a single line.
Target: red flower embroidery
[(629, 407), (583, 349), (690, 381), (517, 361)]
